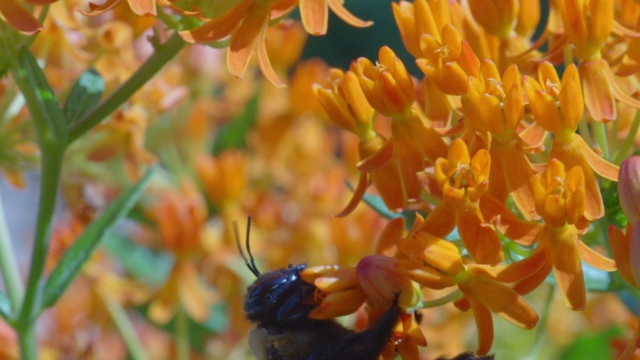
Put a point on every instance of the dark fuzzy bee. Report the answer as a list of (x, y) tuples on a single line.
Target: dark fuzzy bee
[(279, 303)]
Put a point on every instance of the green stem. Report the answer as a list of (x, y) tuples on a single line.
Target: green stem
[(9, 266), (182, 334), (122, 322), (455, 295), (601, 137), (628, 141), (583, 129), (163, 53), (51, 166)]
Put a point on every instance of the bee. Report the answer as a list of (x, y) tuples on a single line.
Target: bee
[(279, 302)]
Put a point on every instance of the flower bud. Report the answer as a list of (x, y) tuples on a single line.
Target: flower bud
[(629, 188)]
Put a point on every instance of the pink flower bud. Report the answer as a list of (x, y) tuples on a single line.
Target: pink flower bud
[(629, 188)]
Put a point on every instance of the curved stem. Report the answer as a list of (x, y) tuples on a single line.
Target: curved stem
[(25, 326), (161, 56), (9, 266), (455, 295), (124, 325), (601, 138), (623, 150), (182, 334)]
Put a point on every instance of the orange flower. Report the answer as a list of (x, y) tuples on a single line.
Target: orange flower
[(562, 121), (463, 180), (625, 247), (496, 105), (448, 60), (20, 18), (314, 15), (436, 263), (560, 200), (139, 7), (246, 25), (180, 217), (184, 289)]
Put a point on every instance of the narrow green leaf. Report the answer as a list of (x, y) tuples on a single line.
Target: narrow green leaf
[(234, 134), (40, 98), (84, 96), (86, 244), (5, 307), (150, 267)]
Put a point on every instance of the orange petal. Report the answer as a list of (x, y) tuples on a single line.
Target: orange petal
[(598, 91), (378, 159), (508, 223), (388, 239), (480, 238), (523, 268), (346, 16), (358, 194), (338, 304), (484, 324), (594, 258), (265, 64), (431, 278), (620, 246), (244, 38), (567, 269), (19, 18), (143, 7), (600, 165), (217, 28), (339, 280), (315, 16)]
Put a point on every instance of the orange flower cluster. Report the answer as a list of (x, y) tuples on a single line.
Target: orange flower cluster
[(485, 144), (488, 171)]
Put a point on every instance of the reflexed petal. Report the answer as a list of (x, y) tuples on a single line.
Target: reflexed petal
[(341, 279), (521, 231), (599, 164), (18, 17), (500, 299), (315, 16), (219, 27), (358, 194), (338, 304), (480, 238), (484, 324), (598, 92), (522, 269), (265, 64), (567, 268), (143, 7), (431, 278), (388, 239), (620, 248), (243, 40), (594, 258), (346, 16)]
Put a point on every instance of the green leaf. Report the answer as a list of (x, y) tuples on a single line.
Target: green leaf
[(150, 267), (199, 333), (5, 307), (234, 134), (84, 96), (611, 199), (86, 244), (40, 98), (593, 346), (377, 204)]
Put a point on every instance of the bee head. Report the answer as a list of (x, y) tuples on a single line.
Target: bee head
[(250, 261)]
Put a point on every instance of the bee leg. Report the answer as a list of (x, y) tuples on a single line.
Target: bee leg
[(365, 345), (295, 306)]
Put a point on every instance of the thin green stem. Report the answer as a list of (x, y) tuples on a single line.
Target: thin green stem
[(122, 322), (51, 166), (182, 334), (455, 295), (623, 150), (163, 53), (583, 129), (600, 133), (9, 266)]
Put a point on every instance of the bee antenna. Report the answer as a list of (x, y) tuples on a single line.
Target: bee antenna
[(250, 262)]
